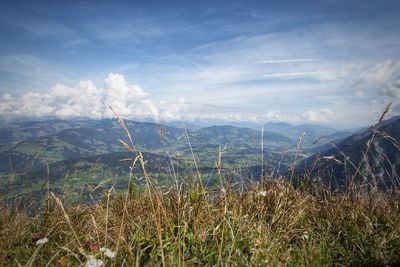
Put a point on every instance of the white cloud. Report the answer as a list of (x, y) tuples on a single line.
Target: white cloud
[(127, 99), (299, 74), (7, 97), (275, 115), (321, 115), (119, 88), (131, 102), (292, 60), (87, 100), (382, 74), (210, 75), (393, 90), (82, 100), (385, 77)]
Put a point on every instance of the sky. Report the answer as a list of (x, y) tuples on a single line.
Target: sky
[(328, 62)]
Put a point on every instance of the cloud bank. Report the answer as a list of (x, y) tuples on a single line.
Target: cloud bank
[(86, 100)]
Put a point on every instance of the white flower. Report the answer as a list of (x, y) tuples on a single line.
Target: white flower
[(262, 193), (42, 241), (93, 262), (305, 236), (107, 252)]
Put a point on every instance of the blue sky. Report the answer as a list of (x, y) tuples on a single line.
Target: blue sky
[(329, 62)]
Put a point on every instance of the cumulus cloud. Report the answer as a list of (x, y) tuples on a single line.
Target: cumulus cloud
[(131, 102), (7, 97), (87, 100), (385, 77), (321, 115)]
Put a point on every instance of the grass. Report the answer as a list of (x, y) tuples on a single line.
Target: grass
[(272, 224), (184, 223)]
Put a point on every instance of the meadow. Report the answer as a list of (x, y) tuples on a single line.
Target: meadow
[(268, 224)]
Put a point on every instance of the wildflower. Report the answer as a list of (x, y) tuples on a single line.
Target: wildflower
[(62, 261), (262, 193), (93, 246), (42, 241), (93, 262), (107, 252), (305, 236)]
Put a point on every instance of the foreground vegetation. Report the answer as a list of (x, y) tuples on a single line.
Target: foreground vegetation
[(183, 223), (271, 224)]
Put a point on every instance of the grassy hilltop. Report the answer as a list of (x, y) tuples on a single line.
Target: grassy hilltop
[(272, 224)]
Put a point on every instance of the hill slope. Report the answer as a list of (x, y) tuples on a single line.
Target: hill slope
[(381, 163)]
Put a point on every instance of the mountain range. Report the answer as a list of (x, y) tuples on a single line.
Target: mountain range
[(28, 149)]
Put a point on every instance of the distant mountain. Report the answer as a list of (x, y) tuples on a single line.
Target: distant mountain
[(217, 122), (312, 132), (28, 130), (182, 125), (70, 143), (101, 138), (42, 142), (337, 166), (24, 130), (326, 142), (237, 135)]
